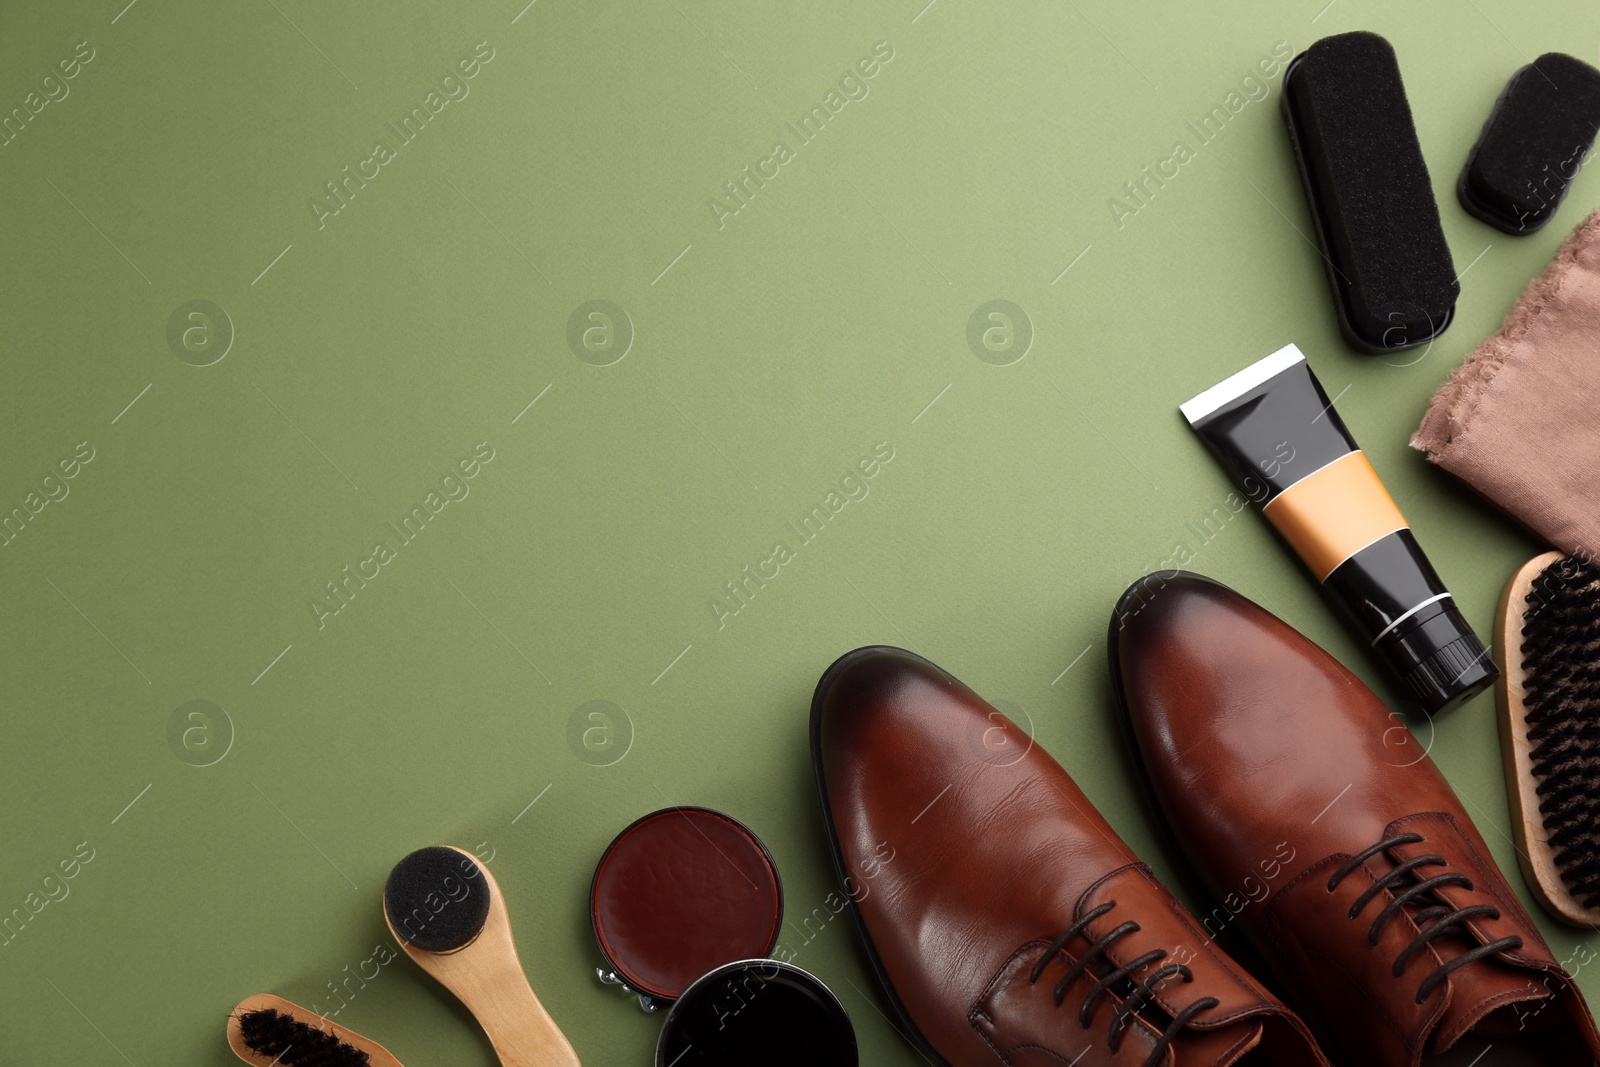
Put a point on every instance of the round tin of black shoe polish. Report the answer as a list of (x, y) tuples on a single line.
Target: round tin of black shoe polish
[(757, 1011)]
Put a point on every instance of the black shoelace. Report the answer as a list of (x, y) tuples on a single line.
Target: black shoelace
[(1143, 990), (1432, 922)]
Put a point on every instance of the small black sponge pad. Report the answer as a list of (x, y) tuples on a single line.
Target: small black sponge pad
[(1388, 263), (437, 899), (1537, 137), (296, 1044)]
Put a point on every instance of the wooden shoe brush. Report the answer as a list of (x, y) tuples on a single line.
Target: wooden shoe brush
[(269, 1031), (1547, 644), (446, 911)]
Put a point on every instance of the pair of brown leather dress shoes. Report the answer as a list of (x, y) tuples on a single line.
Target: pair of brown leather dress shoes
[(1011, 925)]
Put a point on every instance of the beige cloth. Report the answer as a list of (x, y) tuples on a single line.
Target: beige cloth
[(1519, 420)]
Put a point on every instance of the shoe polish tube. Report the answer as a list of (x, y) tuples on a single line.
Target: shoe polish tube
[(1275, 430)]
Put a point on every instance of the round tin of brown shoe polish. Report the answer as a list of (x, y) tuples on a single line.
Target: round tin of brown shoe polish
[(757, 1011), (678, 894)]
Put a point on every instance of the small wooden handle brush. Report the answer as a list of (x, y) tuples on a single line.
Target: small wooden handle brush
[(1547, 645), (268, 1031), (446, 911)]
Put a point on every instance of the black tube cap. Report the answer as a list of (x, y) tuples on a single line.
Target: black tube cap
[(1439, 657)]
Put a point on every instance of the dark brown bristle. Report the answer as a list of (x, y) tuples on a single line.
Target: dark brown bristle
[(294, 1043), (1561, 666)]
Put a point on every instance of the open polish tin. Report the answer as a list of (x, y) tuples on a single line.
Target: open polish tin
[(686, 905)]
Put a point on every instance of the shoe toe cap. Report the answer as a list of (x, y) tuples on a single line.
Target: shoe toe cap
[(881, 700)]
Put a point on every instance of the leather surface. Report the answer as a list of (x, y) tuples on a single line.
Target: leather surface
[(969, 851), (680, 893), (1259, 744)]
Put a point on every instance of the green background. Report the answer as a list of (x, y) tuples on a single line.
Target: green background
[(770, 353)]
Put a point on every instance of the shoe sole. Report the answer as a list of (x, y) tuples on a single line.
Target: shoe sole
[(915, 1036)]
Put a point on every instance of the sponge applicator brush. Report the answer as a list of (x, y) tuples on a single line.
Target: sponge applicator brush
[(448, 915), (1389, 266)]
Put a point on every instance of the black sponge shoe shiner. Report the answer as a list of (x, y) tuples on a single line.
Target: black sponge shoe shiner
[(1540, 133), (1394, 285)]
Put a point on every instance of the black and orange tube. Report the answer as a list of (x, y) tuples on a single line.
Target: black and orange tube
[(1276, 432)]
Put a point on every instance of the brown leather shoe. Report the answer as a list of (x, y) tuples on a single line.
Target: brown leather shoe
[(1009, 923), (1325, 830)]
